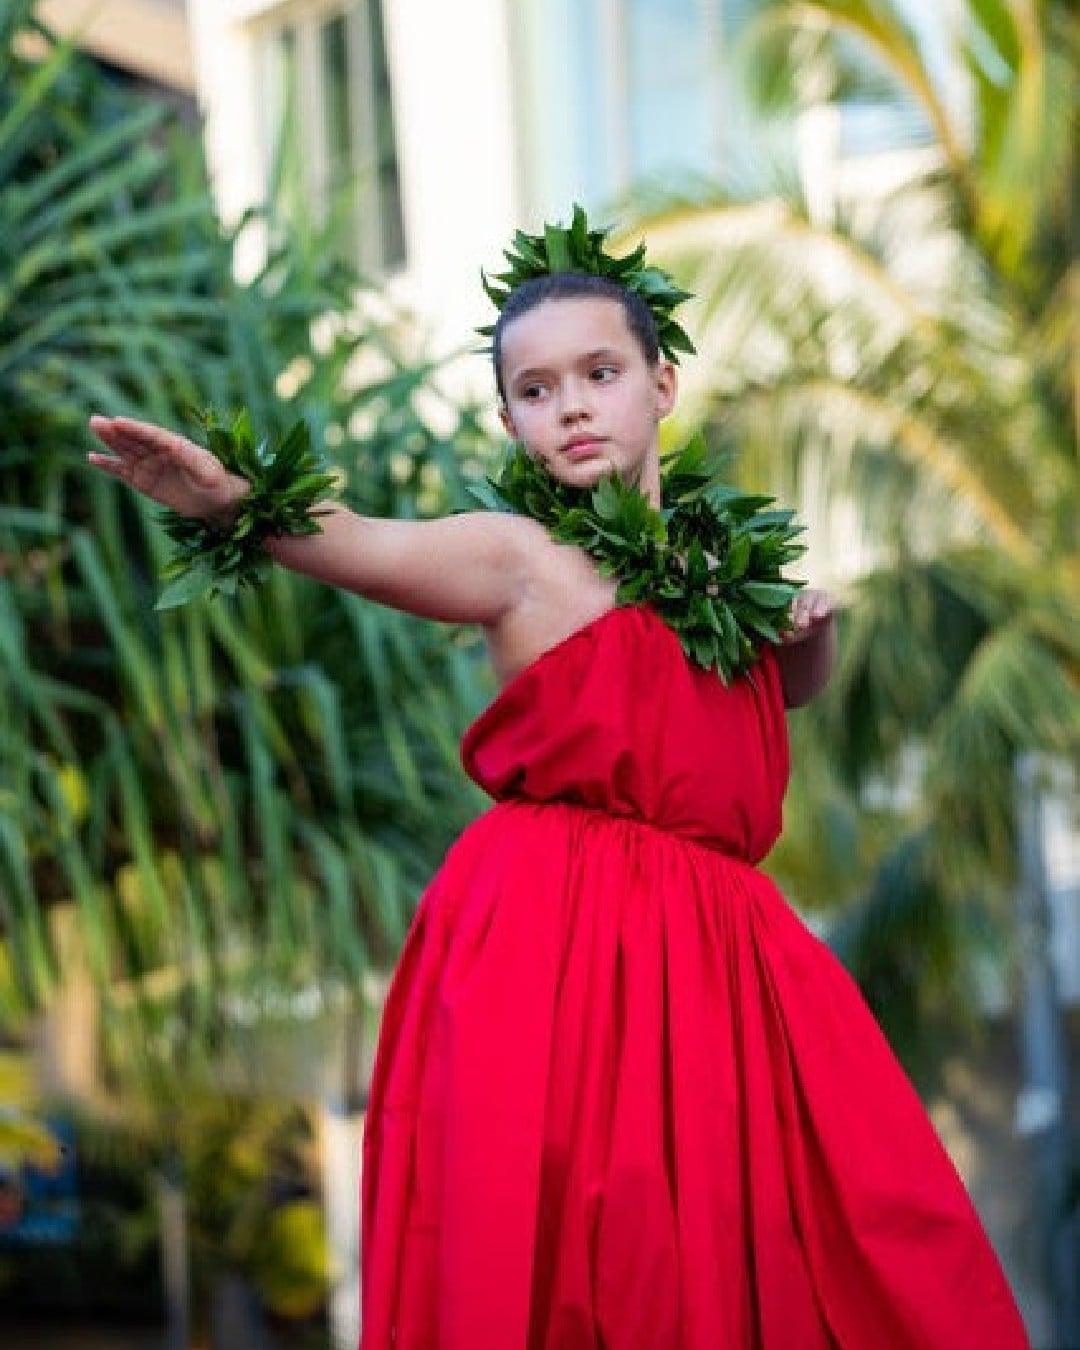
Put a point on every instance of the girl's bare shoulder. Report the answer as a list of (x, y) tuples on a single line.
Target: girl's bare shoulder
[(547, 564), (563, 592)]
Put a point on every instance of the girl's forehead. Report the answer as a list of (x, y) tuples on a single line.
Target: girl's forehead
[(561, 329)]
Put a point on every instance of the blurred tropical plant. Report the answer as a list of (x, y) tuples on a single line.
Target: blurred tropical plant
[(235, 794), (249, 1174), (903, 361), (249, 1171), (237, 802)]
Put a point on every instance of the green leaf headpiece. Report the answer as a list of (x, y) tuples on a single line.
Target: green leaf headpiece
[(577, 248)]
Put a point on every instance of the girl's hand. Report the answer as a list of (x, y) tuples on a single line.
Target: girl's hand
[(807, 652), (810, 610), (167, 468)]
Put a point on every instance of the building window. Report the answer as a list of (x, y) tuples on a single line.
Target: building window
[(676, 95), (649, 89), (330, 147), (645, 97)]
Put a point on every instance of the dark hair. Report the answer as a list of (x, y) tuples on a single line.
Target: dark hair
[(574, 286)]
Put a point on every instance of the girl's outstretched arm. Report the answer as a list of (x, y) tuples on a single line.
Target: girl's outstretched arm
[(463, 569), (807, 653)]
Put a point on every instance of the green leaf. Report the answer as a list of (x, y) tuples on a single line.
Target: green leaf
[(768, 594), (191, 582), (606, 500)]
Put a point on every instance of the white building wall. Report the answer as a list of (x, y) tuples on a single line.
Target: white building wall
[(450, 70), (225, 76)]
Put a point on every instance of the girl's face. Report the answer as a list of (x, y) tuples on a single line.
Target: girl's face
[(581, 395)]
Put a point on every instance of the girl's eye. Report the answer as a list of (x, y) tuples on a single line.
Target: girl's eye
[(532, 392), (601, 374)]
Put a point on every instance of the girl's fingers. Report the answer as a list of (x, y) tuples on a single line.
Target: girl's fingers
[(110, 464), (122, 447), (810, 607), (120, 444), (820, 606), (148, 434), (156, 449), (140, 438)]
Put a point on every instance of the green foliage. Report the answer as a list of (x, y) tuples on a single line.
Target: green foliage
[(910, 352), (234, 795), (249, 1174), (287, 482), (576, 248), (249, 1178), (708, 560)]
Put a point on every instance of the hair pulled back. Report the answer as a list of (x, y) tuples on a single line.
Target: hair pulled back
[(574, 286)]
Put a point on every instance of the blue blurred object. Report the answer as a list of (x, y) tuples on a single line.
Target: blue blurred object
[(39, 1205)]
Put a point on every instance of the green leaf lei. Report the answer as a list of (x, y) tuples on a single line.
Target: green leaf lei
[(708, 561), (576, 248), (287, 482)]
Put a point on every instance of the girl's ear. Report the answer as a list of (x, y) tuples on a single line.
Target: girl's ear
[(507, 421), (667, 388)]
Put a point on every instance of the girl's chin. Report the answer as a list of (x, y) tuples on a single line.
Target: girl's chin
[(587, 473)]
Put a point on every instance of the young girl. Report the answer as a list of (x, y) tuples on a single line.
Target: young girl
[(623, 1098)]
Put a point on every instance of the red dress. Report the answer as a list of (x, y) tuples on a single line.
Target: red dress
[(624, 1099)]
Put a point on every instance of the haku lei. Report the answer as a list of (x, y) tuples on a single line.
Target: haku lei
[(578, 248)]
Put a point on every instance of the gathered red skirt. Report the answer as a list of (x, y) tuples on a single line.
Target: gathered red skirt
[(625, 1100)]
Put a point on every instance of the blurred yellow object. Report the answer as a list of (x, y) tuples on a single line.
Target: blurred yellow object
[(292, 1260), (74, 790), (25, 1140), (16, 1079)]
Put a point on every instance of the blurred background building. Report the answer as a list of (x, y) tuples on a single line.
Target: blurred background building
[(447, 128)]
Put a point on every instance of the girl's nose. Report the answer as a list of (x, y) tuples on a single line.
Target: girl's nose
[(574, 402)]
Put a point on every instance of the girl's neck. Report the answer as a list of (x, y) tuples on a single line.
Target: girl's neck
[(649, 482)]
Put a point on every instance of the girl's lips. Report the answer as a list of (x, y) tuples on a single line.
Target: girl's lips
[(579, 450)]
